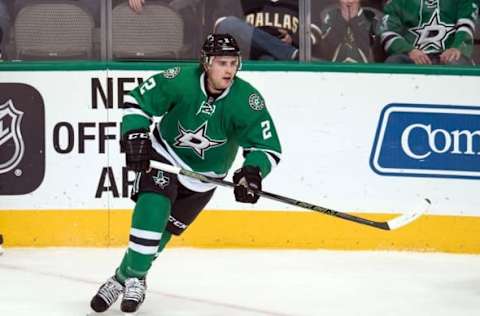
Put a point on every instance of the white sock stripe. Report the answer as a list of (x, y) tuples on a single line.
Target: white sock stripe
[(144, 250), (145, 234)]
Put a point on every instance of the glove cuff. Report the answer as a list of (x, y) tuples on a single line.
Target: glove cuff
[(247, 171)]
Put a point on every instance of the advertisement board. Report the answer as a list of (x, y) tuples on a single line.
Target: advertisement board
[(362, 142)]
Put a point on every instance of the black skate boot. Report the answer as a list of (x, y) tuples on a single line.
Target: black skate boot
[(134, 295), (107, 294)]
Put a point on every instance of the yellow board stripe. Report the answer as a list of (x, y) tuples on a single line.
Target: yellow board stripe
[(243, 229)]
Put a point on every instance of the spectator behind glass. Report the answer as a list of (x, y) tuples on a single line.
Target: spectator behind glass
[(348, 32), (136, 5), (265, 29), (428, 31), (4, 25)]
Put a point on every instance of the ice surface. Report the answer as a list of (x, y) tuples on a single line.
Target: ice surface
[(61, 281)]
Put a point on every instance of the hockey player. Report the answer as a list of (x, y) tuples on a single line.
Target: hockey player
[(428, 31), (208, 113)]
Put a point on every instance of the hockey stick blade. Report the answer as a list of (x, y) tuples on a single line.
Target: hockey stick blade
[(395, 223), (407, 218)]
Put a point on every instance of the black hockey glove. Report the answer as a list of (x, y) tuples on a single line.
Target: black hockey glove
[(137, 147), (245, 179)]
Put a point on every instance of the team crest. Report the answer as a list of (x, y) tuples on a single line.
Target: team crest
[(171, 73), (431, 36), (256, 102), (12, 146), (196, 140), (161, 180)]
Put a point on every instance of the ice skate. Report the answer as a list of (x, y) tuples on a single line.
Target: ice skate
[(134, 295), (107, 294)]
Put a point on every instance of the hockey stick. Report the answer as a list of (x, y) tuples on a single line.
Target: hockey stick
[(392, 224)]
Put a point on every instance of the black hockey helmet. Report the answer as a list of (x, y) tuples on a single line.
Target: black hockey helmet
[(219, 45)]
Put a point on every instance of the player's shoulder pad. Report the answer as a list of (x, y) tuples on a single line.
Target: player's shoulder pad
[(251, 96)]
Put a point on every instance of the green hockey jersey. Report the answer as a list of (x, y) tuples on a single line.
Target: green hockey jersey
[(198, 132), (429, 25)]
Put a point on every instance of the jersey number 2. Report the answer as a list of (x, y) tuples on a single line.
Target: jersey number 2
[(147, 85), (266, 132)]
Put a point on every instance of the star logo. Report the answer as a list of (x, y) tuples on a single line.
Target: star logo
[(196, 140), (161, 180), (431, 36)]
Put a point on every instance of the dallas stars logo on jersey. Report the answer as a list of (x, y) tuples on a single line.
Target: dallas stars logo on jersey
[(431, 26), (171, 73), (431, 36), (256, 102), (161, 180), (196, 140)]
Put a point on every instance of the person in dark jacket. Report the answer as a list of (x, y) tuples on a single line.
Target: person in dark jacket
[(348, 32), (265, 29)]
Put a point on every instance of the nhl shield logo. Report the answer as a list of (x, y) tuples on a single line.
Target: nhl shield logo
[(12, 145), (22, 139)]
